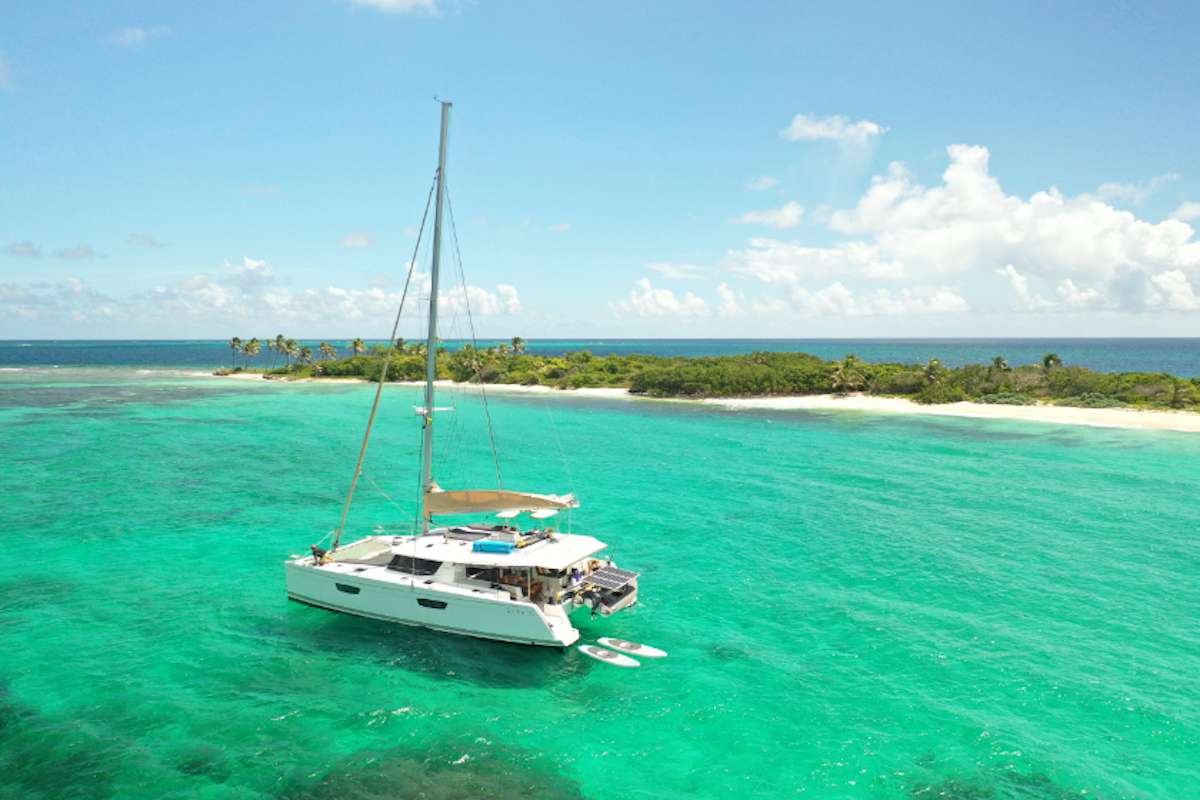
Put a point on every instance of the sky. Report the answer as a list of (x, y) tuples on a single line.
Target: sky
[(660, 169)]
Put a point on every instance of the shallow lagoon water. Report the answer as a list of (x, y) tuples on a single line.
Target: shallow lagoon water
[(855, 606)]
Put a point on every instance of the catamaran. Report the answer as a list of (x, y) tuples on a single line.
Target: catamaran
[(513, 577)]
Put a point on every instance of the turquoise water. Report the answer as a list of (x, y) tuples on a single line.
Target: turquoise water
[(856, 606)]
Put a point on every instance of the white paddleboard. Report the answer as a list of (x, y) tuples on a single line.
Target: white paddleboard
[(607, 656), (633, 648)]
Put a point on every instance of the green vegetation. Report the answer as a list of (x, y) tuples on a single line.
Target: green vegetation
[(753, 375)]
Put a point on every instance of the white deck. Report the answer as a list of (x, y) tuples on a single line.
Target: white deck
[(559, 552)]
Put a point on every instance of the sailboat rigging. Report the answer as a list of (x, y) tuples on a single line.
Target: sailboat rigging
[(493, 580)]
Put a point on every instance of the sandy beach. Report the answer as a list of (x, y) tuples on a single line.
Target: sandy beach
[(1182, 421)]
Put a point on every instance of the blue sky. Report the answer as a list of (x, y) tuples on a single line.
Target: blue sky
[(660, 169)]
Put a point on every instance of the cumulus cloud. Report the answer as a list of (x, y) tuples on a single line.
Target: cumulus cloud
[(68, 300), (762, 183), (1020, 286), (935, 247), (646, 301), (775, 261), (968, 226), (1173, 291), (249, 292), (1134, 192), (837, 299), (786, 216), (730, 304), (356, 239), (1187, 211), (138, 36), (837, 128), (679, 272), (25, 249), (400, 6)]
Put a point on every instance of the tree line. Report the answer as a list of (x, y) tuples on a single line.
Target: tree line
[(758, 374), (289, 349)]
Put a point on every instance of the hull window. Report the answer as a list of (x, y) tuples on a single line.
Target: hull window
[(425, 601), (347, 588), (414, 566), (489, 574)]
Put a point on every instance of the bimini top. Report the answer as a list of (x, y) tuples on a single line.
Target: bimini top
[(482, 501)]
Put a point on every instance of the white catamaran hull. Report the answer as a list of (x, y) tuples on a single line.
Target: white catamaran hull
[(434, 606)]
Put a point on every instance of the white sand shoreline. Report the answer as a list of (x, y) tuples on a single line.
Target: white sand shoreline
[(1137, 419)]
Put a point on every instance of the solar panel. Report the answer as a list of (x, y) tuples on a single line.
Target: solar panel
[(610, 578)]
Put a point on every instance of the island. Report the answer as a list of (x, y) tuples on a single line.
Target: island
[(752, 375)]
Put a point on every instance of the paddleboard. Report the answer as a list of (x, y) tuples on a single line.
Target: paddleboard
[(607, 656), (633, 648)]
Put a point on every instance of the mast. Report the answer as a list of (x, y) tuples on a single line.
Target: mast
[(431, 341)]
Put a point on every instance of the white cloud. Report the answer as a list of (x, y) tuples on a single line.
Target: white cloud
[(1134, 192), (949, 240), (837, 128), (400, 6), (1187, 211), (137, 36), (968, 226), (774, 261), (762, 183), (25, 249), (680, 272), (1073, 297), (786, 216), (731, 302), (356, 239), (560, 227), (80, 252), (68, 300), (238, 297), (837, 300), (252, 272), (145, 240), (1020, 285), (1173, 291), (410, 231), (646, 301)]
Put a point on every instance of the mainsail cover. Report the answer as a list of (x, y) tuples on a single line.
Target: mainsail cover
[(479, 501)]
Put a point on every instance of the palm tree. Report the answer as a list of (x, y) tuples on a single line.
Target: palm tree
[(327, 350), (518, 345), (1000, 364), (1050, 361), (291, 350), (358, 347), (847, 376), (235, 344), (277, 346), (306, 355), (252, 348), (933, 371)]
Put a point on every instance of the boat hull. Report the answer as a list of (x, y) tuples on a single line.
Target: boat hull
[(444, 609)]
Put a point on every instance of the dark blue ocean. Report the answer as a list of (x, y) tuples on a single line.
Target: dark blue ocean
[(1177, 356)]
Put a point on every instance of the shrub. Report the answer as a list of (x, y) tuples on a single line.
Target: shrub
[(1007, 399), (941, 392)]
